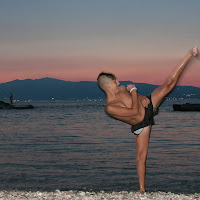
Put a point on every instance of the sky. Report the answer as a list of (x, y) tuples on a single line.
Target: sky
[(75, 40)]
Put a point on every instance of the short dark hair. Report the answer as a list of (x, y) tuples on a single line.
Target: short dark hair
[(109, 75)]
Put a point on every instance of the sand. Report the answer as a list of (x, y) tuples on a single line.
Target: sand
[(76, 195)]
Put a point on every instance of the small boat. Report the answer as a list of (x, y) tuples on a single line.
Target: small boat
[(24, 107), (186, 107), (4, 105)]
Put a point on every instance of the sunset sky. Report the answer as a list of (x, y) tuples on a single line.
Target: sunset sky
[(74, 40)]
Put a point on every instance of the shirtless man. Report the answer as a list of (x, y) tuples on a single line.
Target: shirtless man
[(126, 105)]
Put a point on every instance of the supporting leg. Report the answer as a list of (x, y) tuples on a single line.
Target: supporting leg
[(142, 142)]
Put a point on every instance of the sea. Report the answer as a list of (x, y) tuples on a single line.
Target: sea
[(75, 145)]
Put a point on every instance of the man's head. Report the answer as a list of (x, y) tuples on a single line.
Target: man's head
[(105, 80)]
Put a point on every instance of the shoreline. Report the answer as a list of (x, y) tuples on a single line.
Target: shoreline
[(73, 194)]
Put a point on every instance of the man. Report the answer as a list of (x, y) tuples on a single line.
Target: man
[(126, 105)]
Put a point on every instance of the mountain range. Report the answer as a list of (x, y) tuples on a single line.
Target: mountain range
[(49, 88)]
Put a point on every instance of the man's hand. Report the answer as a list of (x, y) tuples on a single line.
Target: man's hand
[(144, 100), (131, 86)]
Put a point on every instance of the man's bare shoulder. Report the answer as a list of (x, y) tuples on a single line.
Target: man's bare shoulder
[(123, 88), (114, 105)]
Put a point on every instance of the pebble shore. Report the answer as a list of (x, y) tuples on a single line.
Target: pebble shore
[(76, 195)]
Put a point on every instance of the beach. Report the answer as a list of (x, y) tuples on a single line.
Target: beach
[(82, 195)]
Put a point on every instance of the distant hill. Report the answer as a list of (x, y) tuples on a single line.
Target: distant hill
[(48, 88)]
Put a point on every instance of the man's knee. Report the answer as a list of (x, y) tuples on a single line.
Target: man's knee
[(141, 157)]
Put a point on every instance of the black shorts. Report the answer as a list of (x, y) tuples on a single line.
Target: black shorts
[(148, 118)]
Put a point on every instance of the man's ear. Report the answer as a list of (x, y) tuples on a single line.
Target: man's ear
[(107, 86)]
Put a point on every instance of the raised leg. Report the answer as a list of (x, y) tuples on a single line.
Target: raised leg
[(159, 94), (142, 142)]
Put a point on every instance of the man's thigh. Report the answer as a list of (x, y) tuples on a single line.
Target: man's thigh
[(142, 141), (158, 95)]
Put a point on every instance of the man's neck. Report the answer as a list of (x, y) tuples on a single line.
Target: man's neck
[(111, 97)]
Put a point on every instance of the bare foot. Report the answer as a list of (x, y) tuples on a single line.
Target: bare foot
[(195, 51)]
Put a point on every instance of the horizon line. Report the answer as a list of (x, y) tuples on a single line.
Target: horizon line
[(86, 81)]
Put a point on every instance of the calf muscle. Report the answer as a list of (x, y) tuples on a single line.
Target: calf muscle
[(159, 94)]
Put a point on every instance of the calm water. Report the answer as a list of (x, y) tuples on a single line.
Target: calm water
[(75, 145)]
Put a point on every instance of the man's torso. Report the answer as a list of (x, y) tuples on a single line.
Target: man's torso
[(124, 99)]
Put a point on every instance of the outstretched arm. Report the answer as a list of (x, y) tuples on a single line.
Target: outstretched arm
[(159, 94)]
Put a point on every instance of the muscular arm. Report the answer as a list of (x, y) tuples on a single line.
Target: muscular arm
[(144, 100), (119, 109)]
